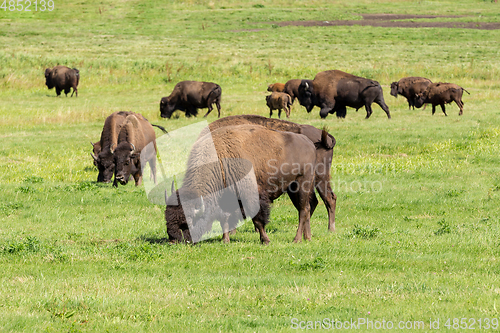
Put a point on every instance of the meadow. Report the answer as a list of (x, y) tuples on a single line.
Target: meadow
[(418, 217)]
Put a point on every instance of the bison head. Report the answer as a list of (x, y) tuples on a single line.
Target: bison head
[(180, 215), (306, 93), (105, 164), (127, 161), (420, 99), (166, 108), (48, 78), (394, 89)]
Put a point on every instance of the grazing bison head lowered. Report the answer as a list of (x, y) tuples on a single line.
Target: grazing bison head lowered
[(166, 108), (48, 78), (127, 161), (306, 93)]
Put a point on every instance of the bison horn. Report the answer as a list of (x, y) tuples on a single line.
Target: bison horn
[(307, 86), (111, 148), (93, 144), (93, 156), (133, 148)]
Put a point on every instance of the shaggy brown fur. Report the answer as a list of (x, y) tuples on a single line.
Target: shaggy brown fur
[(276, 87), (324, 154), (272, 155), (62, 78), (279, 101), (440, 94), (409, 87), (189, 96), (334, 90)]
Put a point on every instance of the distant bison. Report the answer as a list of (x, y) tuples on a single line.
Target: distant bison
[(62, 78), (409, 87), (278, 87), (334, 90), (440, 94), (189, 96), (279, 101), (292, 88)]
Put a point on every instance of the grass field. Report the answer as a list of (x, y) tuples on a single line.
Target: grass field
[(418, 210)]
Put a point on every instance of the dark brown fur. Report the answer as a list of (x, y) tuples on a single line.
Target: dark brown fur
[(189, 96), (292, 88), (409, 87), (334, 90), (62, 78), (440, 94)]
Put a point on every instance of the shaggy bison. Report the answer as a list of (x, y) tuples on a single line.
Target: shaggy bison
[(440, 94), (334, 90), (281, 162), (103, 150), (62, 78), (189, 96), (409, 87), (292, 88), (276, 87), (324, 154), (279, 101)]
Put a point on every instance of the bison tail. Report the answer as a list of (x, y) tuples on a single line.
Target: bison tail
[(324, 140), (77, 72), (466, 91), (160, 127)]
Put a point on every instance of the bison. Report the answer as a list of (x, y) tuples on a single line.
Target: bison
[(441, 93), (135, 134), (281, 162), (324, 154), (279, 101), (188, 96), (103, 150), (334, 90), (292, 88), (276, 87), (409, 87), (62, 78)]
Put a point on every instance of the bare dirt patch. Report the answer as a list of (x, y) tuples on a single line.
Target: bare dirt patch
[(396, 21)]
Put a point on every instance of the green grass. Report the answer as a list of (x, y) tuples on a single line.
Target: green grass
[(418, 195)]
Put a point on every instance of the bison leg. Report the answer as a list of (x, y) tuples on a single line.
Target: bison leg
[(287, 111), (300, 198), (138, 179), (433, 109), (461, 106), (443, 108), (217, 104), (270, 113), (279, 113), (260, 220), (369, 111), (74, 91), (58, 91), (210, 108), (330, 200), (380, 101)]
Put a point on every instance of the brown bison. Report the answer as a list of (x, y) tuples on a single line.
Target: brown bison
[(281, 162), (189, 96), (62, 78), (409, 87), (324, 154), (279, 101), (334, 90), (136, 132), (440, 94), (276, 87), (292, 88), (103, 150)]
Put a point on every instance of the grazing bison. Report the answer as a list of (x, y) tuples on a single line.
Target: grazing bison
[(279, 101), (292, 88), (136, 132), (103, 150), (440, 94), (409, 87), (324, 154), (334, 90), (281, 161), (62, 78), (278, 87), (189, 96)]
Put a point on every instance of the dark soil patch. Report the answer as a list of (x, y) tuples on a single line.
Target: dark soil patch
[(390, 21)]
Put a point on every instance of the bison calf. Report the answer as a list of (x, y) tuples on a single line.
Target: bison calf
[(279, 101), (276, 87), (442, 93), (62, 78), (409, 87)]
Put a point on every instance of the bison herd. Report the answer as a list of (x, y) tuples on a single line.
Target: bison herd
[(283, 157)]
